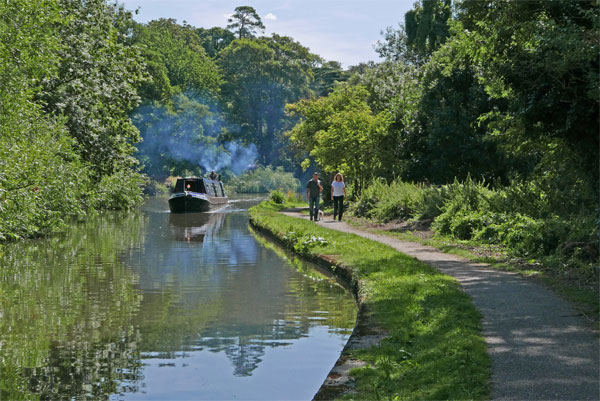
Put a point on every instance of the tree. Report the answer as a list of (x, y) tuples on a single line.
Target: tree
[(262, 76), (245, 22), (42, 179), (540, 60), (327, 74), (427, 26), (425, 29), (341, 133), (95, 86), (177, 61), (214, 39), (449, 140), (394, 88)]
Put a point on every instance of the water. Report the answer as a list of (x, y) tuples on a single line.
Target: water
[(153, 306)]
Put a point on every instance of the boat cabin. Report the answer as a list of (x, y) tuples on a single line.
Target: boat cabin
[(200, 185)]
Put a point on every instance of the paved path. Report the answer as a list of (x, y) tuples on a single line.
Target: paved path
[(541, 348)]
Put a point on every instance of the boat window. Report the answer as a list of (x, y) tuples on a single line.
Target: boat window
[(222, 189), (179, 185), (190, 185)]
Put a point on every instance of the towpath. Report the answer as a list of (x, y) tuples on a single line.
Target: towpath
[(541, 348)]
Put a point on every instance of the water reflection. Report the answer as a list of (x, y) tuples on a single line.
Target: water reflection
[(62, 333), (195, 226), (150, 305)]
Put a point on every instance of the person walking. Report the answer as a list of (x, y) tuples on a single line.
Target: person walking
[(313, 194), (338, 192)]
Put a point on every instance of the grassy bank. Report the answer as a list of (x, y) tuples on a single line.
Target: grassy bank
[(433, 349)]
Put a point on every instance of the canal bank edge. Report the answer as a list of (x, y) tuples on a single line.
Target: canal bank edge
[(364, 335)]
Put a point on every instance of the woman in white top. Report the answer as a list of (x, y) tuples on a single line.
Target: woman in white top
[(338, 192)]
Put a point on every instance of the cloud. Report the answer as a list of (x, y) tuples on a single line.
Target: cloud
[(270, 16)]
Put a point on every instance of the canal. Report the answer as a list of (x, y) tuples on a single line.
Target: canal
[(148, 305)]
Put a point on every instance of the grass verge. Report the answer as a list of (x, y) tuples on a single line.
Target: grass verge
[(433, 349)]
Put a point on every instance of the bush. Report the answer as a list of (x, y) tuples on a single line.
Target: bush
[(278, 197), (294, 197), (121, 190), (396, 201)]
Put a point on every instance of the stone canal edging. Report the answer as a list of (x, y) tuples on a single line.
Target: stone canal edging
[(364, 335)]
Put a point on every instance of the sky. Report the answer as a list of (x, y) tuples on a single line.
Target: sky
[(337, 30)]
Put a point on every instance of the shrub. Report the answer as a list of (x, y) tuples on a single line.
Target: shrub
[(518, 216), (121, 190), (433, 200), (277, 197), (396, 201)]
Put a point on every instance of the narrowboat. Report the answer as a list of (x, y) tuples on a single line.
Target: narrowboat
[(197, 195)]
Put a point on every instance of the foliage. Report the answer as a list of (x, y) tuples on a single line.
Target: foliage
[(540, 59), (42, 179), (277, 197), (427, 26), (342, 120), (504, 92), (424, 313), (448, 140), (302, 242), (177, 62), (110, 193), (327, 75), (520, 217), (95, 84), (263, 179), (67, 82), (261, 76), (214, 39)]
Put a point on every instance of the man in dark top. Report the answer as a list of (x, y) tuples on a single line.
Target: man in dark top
[(313, 193)]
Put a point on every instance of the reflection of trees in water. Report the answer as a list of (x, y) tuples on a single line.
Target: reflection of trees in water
[(88, 370), (65, 304), (237, 297), (168, 258), (74, 325)]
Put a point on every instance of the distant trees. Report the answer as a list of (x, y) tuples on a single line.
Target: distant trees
[(261, 77), (214, 87)]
